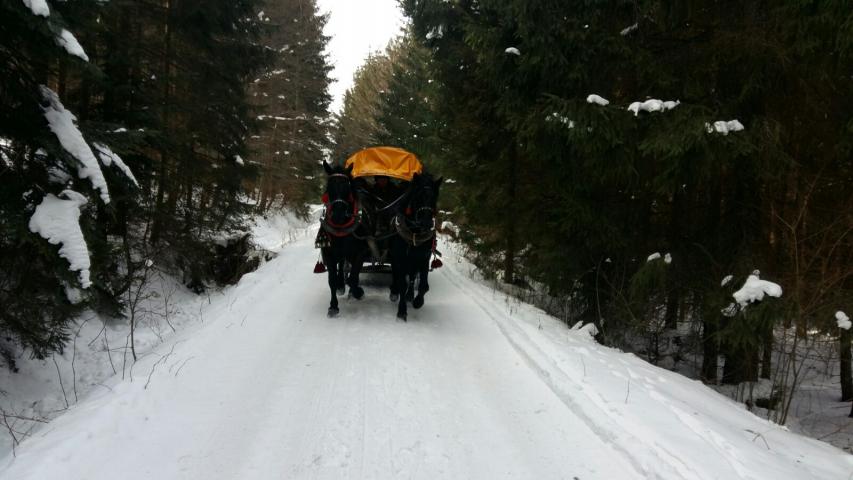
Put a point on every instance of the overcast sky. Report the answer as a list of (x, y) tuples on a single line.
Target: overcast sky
[(357, 27)]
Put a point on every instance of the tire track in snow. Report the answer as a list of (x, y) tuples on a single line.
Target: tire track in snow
[(527, 349)]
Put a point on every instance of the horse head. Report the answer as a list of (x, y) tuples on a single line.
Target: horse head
[(423, 201), (339, 198)]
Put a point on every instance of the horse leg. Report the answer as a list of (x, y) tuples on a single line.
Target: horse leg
[(410, 289), (401, 303), (333, 287), (340, 281), (423, 283), (356, 263), (398, 270)]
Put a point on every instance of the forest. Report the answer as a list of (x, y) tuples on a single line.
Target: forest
[(629, 164), (136, 134), (633, 164)]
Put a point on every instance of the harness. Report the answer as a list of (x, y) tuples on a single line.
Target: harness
[(329, 226), (412, 237)]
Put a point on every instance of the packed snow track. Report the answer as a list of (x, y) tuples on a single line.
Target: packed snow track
[(472, 386)]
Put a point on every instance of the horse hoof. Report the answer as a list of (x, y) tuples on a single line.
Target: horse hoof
[(402, 316), (418, 302), (333, 312), (356, 292), (394, 297)]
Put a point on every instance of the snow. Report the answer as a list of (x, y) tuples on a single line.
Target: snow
[(754, 290), (653, 105), (625, 31), (560, 118), (726, 280), (653, 256), (67, 41), (239, 160), (108, 157), (437, 32), (475, 385), (667, 259), (597, 100), (57, 221), (724, 127), (39, 7), (74, 295), (842, 320), (61, 123), (588, 331), (448, 226), (512, 51)]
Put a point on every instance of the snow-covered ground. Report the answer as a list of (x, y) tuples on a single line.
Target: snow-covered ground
[(475, 385), (41, 390)]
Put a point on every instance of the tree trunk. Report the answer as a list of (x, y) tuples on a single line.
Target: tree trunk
[(845, 356), (710, 349), (510, 227), (162, 183), (767, 354)]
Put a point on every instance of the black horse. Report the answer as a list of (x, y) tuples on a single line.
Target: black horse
[(413, 245), (338, 226)]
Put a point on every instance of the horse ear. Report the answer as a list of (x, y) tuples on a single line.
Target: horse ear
[(349, 169), (327, 167), (439, 182)]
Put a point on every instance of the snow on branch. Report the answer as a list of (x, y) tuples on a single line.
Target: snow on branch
[(39, 7), (108, 157), (67, 41), (627, 30), (61, 123), (724, 127), (512, 51), (597, 100), (57, 221), (754, 290), (560, 118), (842, 320), (652, 105)]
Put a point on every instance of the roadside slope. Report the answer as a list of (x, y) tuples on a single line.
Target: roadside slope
[(473, 386)]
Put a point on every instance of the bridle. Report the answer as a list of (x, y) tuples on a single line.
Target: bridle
[(410, 224), (351, 204)]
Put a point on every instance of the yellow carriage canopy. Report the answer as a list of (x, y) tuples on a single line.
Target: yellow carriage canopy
[(388, 161)]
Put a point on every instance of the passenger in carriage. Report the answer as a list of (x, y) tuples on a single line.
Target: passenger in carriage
[(385, 189)]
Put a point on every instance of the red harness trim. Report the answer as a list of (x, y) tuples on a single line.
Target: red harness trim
[(351, 221)]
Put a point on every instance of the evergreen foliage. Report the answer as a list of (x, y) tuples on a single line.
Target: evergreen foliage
[(159, 95), (573, 195), (292, 97)]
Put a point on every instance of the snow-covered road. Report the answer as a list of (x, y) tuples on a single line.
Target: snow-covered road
[(473, 386)]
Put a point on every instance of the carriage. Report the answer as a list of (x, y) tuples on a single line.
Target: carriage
[(379, 215), (381, 180)]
